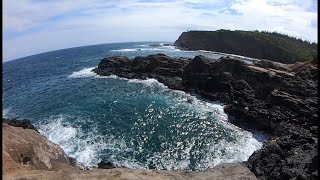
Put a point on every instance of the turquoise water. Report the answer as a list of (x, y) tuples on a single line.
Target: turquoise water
[(140, 124)]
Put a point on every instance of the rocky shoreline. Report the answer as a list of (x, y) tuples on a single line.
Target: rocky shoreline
[(26, 154), (276, 98)]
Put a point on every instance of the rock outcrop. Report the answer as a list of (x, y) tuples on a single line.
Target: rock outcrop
[(24, 123), (276, 98), (25, 150), (26, 154), (165, 69)]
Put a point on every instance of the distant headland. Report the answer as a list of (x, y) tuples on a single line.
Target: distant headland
[(256, 44)]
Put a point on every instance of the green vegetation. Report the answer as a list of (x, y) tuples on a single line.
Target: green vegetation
[(302, 50), (264, 45)]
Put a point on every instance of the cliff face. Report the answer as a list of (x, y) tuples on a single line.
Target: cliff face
[(272, 46), (277, 98), (26, 154), (30, 150)]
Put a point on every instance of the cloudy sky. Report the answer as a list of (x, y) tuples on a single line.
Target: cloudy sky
[(35, 26)]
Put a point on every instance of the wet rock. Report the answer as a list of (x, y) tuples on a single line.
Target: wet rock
[(106, 165), (72, 161)]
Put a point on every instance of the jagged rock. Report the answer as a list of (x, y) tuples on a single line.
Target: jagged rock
[(24, 123), (106, 165), (159, 66), (73, 161)]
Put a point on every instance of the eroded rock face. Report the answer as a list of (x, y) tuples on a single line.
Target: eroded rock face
[(273, 97), (27, 149)]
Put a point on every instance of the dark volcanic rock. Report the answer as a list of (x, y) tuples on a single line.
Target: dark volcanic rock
[(106, 165), (286, 157), (276, 98), (159, 66), (72, 161), (24, 123)]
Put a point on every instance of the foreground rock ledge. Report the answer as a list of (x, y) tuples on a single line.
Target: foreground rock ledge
[(29, 155), (276, 98)]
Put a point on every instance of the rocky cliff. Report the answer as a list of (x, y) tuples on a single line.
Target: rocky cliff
[(276, 98), (262, 45)]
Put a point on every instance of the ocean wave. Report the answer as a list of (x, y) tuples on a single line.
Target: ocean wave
[(150, 48), (72, 140), (223, 151), (84, 147), (137, 49), (88, 147), (124, 50), (85, 72), (147, 82)]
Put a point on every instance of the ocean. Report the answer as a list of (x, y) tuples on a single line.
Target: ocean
[(140, 124)]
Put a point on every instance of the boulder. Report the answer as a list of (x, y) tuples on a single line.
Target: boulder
[(106, 165)]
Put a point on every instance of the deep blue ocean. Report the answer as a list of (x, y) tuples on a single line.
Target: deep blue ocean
[(140, 124)]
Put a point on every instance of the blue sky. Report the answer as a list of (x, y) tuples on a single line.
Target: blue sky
[(35, 26)]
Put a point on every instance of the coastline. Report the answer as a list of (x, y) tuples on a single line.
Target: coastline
[(260, 96), (291, 138)]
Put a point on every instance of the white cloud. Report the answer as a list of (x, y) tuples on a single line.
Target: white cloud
[(67, 23)]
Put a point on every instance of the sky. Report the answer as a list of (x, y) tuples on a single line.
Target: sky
[(36, 26)]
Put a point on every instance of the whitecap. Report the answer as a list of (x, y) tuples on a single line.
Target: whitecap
[(124, 50), (85, 72), (84, 147), (70, 139), (148, 82), (5, 112)]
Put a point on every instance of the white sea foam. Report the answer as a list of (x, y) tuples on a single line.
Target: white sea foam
[(5, 112), (112, 76), (148, 82), (224, 151), (71, 139), (87, 148), (85, 72), (124, 50), (160, 48)]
